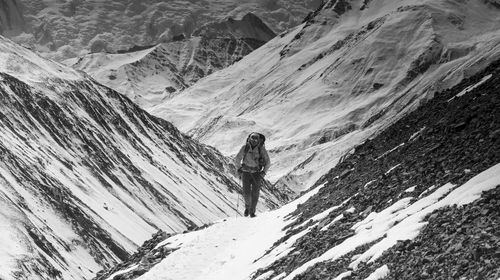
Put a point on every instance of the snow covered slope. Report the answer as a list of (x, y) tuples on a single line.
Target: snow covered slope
[(352, 68), (152, 75), (72, 26), (86, 175), (418, 201)]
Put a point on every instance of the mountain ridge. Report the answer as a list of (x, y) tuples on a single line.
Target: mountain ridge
[(64, 29), (353, 71), (87, 175), (160, 72), (249, 26)]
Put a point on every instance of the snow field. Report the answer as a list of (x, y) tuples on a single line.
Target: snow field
[(236, 247), (225, 250)]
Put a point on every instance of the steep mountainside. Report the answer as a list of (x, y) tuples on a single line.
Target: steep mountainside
[(152, 75), (86, 175), (351, 69), (406, 197), (70, 26), (418, 201)]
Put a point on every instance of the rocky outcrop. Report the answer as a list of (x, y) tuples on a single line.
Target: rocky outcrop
[(145, 257), (434, 145), (458, 242), (250, 26)]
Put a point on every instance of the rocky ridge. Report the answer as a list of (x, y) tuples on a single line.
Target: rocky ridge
[(447, 139), (146, 257), (153, 75), (249, 26), (458, 243)]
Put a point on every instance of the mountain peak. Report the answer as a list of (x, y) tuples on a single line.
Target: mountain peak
[(251, 17), (249, 26)]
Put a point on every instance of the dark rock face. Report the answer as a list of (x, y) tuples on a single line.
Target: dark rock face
[(494, 3), (316, 23), (250, 26), (459, 242), (217, 53), (338, 6), (221, 44), (447, 139)]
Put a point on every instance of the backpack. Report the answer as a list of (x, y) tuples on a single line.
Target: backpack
[(262, 141)]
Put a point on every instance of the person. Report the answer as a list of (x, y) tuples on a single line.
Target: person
[(252, 163)]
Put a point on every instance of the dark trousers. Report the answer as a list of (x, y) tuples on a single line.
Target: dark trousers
[(251, 188)]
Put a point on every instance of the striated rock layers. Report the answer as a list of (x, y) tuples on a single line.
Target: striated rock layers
[(86, 175)]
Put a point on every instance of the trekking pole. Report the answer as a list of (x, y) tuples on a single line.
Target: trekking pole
[(238, 205), (238, 200)]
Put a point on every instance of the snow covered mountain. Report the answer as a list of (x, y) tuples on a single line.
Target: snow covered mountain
[(149, 76), (351, 69), (418, 201), (86, 175), (72, 26)]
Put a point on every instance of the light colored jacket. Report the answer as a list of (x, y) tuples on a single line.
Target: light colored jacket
[(250, 161)]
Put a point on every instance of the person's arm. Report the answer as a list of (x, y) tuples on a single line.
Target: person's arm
[(239, 158), (267, 161)]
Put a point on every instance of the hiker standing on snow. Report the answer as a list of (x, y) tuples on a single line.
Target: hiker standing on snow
[(252, 162)]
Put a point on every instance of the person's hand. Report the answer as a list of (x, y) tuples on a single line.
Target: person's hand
[(262, 174)]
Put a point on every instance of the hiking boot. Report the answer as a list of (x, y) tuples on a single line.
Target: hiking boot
[(252, 215), (245, 213)]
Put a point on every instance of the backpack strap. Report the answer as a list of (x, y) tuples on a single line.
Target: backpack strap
[(262, 140)]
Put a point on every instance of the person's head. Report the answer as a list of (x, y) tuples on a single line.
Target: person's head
[(254, 139)]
